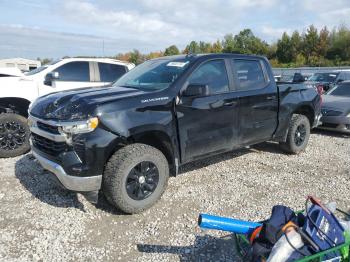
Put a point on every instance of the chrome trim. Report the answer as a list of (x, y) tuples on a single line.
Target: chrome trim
[(73, 183), (57, 123), (53, 137), (32, 122)]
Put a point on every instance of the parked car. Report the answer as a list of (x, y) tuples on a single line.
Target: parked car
[(16, 93), (329, 79), (294, 78), (336, 108), (129, 138)]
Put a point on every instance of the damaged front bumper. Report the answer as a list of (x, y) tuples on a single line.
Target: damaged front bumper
[(73, 183), (77, 163)]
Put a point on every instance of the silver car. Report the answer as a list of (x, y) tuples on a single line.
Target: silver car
[(336, 108)]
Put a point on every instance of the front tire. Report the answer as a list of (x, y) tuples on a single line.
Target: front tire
[(14, 135), (298, 135), (135, 178)]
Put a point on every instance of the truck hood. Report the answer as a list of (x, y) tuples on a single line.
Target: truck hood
[(78, 104), (339, 103)]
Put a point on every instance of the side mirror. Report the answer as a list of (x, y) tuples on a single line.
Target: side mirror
[(50, 77), (196, 90)]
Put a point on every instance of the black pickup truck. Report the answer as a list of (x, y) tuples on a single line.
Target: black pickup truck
[(127, 139)]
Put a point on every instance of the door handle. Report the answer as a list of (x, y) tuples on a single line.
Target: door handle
[(230, 103)]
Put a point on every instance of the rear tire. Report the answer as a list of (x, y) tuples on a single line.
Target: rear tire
[(298, 135), (14, 135), (135, 178)]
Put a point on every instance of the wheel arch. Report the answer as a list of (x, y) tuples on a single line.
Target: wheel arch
[(14, 105), (307, 111), (304, 109), (159, 140)]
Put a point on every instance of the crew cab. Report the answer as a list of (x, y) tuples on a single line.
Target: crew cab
[(127, 139), (17, 92)]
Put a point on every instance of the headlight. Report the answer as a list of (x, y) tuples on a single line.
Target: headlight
[(348, 115), (81, 126)]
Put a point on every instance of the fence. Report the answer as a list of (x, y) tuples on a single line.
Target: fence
[(307, 71)]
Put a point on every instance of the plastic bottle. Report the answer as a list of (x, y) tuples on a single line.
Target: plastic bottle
[(282, 250)]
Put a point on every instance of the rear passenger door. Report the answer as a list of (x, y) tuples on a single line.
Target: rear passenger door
[(109, 73), (258, 101)]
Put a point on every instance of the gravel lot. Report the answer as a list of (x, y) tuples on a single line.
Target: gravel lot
[(40, 221)]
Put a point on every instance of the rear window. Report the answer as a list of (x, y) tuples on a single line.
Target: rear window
[(110, 72), (250, 74)]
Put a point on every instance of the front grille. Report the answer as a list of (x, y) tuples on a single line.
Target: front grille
[(48, 128), (329, 125), (48, 146)]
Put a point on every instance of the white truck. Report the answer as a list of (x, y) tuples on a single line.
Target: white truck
[(17, 92)]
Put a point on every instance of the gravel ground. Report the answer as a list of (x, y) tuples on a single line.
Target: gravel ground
[(41, 222)]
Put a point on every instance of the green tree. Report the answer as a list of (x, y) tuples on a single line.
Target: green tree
[(204, 47), (272, 49), (310, 43), (192, 48), (216, 47), (44, 61), (228, 44), (296, 44), (300, 60), (284, 49), (247, 43), (171, 50), (136, 57), (323, 43), (339, 45)]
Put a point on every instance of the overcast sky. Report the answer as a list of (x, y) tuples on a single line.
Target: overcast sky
[(54, 28)]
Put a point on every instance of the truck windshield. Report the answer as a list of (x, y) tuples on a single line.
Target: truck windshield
[(153, 74)]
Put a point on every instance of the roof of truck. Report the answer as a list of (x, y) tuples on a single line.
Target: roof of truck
[(94, 59), (214, 55)]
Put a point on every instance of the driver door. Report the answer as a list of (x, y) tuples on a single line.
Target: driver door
[(208, 124)]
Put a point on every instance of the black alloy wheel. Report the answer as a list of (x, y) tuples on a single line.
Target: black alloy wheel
[(300, 135), (135, 177), (12, 135), (142, 180)]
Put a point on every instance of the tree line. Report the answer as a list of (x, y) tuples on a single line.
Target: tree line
[(309, 48)]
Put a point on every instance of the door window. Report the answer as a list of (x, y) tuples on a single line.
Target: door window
[(74, 71), (250, 74), (212, 73), (110, 72), (343, 76)]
